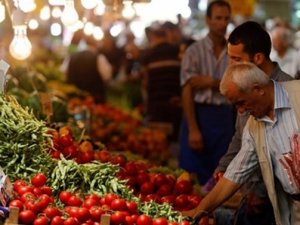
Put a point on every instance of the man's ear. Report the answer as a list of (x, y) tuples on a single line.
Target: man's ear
[(259, 58), (258, 89)]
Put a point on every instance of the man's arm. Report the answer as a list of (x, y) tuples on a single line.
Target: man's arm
[(195, 136), (223, 190)]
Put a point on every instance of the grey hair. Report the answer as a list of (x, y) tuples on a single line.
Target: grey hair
[(244, 75)]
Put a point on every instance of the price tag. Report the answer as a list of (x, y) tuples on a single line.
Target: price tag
[(46, 104), (105, 219), (3, 70)]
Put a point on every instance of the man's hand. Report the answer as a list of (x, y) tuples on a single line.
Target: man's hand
[(196, 140), (200, 216)]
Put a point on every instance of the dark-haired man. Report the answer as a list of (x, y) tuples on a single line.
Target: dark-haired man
[(208, 124)]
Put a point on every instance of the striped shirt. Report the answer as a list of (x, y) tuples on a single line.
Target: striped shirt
[(199, 60), (278, 135)]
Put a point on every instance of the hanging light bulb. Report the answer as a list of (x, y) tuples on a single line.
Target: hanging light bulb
[(20, 47), (89, 4), (27, 5), (2, 12), (69, 15), (128, 11), (100, 9), (56, 2), (45, 13)]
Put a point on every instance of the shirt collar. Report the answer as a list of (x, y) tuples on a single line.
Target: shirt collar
[(281, 99)]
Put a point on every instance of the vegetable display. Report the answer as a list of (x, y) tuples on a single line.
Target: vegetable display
[(24, 140)]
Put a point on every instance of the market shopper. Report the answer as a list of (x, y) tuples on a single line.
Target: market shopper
[(88, 70), (283, 52), (209, 119), (270, 142), (161, 82), (250, 42)]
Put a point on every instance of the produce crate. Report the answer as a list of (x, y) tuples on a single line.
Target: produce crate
[(13, 216)]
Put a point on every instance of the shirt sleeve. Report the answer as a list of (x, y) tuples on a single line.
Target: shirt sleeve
[(189, 64), (245, 162)]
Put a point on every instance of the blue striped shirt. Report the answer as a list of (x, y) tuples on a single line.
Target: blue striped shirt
[(278, 135), (199, 60)]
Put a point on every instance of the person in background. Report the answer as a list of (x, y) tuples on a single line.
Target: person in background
[(208, 121), (250, 42), (88, 70), (162, 83), (115, 55), (270, 142), (283, 51)]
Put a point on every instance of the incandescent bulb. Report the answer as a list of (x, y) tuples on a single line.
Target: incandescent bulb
[(128, 11), (89, 4), (27, 5), (69, 15), (20, 47)]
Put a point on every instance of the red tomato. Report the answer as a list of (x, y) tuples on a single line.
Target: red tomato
[(160, 221), (89, 202), (168, 199), (39, 180), (108, 198), (71, 221), (118, 218), (72, 210), (24, 189), (144, 220), (42, 220), (181, 201), (37, 191), (129, 220), (27, 196), (164, 189), (55, 154), (194, 200), (83, 214), (31, 205), (26, 217), (52, 212), (46, 190), (131, 207), (147, 188), (118, 204), (70, 151), (172, 223), (130, 168), (160, 179), (93, 196), (18, 184), (142, 177), (86, 156), (183, 187), (43, 201), (119, 160), (65, 140), (96, 213), (64, 196), (74, 201), (184, 222), (16, 203), (57, 220)]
